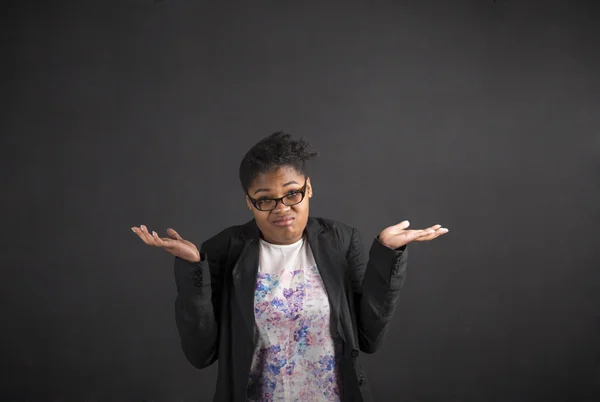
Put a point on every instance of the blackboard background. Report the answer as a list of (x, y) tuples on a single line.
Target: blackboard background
[(480, 115)]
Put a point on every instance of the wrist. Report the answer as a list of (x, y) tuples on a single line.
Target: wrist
[(384, 242)]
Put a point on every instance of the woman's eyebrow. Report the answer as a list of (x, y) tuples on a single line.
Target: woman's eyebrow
[(267, 189)]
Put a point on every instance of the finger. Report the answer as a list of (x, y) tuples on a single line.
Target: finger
[(140, 233), (156, 239), (429, 233), (417, 234), (432, 229), (426, 237), (147, 237), (440, 231), (163, 242), (173, 234)]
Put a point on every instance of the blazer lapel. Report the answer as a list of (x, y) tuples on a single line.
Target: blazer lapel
[(323, 248)]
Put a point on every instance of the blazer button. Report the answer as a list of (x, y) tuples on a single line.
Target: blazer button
[(354, 353)]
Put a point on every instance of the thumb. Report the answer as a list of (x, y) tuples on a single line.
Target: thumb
[(402, 225), (173, 234)]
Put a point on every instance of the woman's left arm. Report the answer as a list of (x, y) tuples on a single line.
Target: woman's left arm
[(377, 281)]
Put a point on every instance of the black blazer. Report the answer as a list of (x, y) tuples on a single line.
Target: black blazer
[(214, 308)]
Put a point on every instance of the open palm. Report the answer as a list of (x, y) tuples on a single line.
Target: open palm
[(174, 244), (398, 235)]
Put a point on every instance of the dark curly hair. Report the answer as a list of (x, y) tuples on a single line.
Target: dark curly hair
[(272, 152)]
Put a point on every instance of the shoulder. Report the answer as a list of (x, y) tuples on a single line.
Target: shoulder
[(222, 239), (331, 224), (343, 231)]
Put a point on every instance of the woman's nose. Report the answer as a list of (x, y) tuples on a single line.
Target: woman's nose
[(281, 206)]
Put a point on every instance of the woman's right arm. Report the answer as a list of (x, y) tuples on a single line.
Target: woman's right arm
[(199, 282), (198, 305)]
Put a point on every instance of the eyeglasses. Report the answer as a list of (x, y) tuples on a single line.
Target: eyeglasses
[(268, 204)]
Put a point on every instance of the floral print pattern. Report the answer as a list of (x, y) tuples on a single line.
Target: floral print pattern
[(295, 354)]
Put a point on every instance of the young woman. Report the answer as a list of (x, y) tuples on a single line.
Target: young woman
[(286, 302)]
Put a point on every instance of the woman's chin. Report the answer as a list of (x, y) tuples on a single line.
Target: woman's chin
[(284, 237)]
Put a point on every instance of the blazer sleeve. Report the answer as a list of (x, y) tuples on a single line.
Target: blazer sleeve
[(198, 303), (376, 284)]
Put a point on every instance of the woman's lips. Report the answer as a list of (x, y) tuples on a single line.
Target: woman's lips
[(284, 222)]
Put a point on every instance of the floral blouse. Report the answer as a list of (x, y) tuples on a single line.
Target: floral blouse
[(295, 353)]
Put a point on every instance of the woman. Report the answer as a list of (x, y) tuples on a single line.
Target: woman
[(286, 301)]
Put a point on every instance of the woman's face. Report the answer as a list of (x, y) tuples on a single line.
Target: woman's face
[(284, 224)]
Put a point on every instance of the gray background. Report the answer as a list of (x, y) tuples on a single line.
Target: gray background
[(481, 116)]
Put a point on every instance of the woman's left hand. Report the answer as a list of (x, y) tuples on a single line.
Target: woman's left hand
[(398, 235)]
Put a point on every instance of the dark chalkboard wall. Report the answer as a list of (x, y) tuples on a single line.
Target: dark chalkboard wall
[(483, 116)]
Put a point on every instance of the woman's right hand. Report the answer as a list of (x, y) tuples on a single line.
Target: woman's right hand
[(174, 244)]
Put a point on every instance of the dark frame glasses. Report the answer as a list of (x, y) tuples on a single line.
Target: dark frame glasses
[(293, 193)]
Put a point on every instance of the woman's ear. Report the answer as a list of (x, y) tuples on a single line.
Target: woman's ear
[(248, 204), (309, 189)]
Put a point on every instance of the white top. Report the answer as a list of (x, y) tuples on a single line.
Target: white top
[(295, 355)]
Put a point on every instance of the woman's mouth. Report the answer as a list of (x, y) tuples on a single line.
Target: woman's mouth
[(284, 222)]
